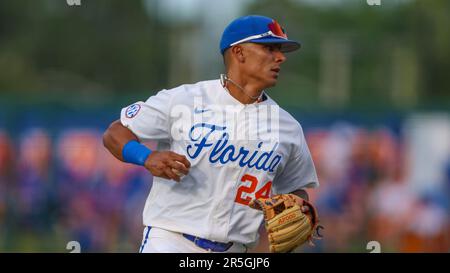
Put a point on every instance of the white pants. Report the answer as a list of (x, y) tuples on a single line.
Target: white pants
[(157, 240)]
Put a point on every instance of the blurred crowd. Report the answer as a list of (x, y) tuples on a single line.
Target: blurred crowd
[(365, 194), (56, 189), (67, 187)]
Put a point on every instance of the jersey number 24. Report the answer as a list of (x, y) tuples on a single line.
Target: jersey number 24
[(263, 192)]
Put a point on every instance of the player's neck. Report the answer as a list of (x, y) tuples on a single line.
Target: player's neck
[(249, 94)]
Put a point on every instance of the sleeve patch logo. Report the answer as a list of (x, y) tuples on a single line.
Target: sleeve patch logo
[(132, 110)]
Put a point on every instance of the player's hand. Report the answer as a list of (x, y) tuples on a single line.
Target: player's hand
[(167, 164)]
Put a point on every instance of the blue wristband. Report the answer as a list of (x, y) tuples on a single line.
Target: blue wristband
[(136, 153)]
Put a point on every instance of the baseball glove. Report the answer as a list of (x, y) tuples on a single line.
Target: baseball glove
[(290, 221)]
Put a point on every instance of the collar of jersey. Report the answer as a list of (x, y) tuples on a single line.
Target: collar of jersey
[(225, 97)]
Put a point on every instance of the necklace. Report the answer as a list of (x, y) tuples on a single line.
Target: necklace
[(223, 80)]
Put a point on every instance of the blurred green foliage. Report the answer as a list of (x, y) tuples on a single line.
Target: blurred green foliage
[(51, 51), (416, 31), (111, 52)]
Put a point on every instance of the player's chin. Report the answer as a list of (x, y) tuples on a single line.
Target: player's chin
[(272, 81)]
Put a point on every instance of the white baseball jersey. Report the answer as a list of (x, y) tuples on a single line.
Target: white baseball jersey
[(237, 153)]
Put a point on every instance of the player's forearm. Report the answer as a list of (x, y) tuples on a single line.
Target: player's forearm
[(301, 193), (115, 137)]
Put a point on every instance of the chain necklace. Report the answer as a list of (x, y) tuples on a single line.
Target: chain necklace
[(223, 80)]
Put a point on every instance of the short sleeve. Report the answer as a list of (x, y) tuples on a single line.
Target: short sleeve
[(299, 171), (149, 120)]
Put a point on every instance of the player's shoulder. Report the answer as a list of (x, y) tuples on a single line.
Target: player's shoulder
[(183, 93), (190, 89), (286, 119)]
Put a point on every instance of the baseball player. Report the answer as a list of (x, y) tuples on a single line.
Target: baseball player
[(216, 155)]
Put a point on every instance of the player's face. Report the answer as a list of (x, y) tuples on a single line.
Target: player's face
[(263, 62)]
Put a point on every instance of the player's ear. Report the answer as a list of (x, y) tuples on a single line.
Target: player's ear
[(237, 52)]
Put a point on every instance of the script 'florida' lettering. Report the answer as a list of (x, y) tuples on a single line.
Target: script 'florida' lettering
[(224, 152)]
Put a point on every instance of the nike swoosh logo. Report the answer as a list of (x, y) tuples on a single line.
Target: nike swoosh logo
[(199, 111)]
